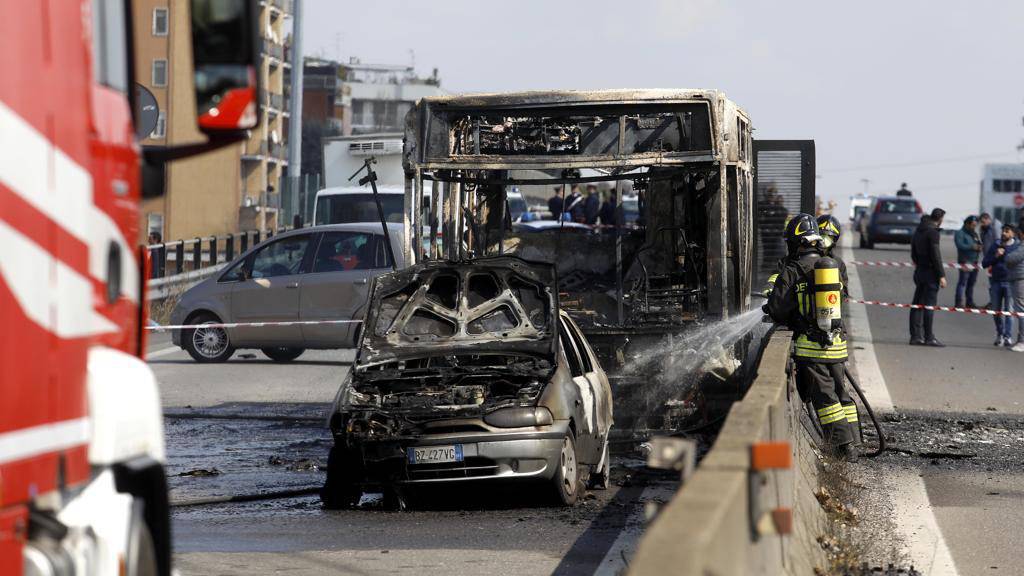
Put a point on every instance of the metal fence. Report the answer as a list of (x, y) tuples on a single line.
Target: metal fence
[(188, 259)]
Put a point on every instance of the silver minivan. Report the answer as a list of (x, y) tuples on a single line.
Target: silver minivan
[(320, 273)]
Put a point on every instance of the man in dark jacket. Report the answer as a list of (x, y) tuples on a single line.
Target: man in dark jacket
[(555, 204), (929, 277), (968, 248), (999, 288), (591, 205)]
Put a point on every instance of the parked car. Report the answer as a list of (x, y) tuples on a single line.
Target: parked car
[(889, 219), (468, 372), (318, 273)]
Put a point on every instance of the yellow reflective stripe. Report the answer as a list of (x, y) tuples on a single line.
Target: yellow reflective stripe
[(831, 409), (838, 416), (851, 413), (826, 276), (773, 278)]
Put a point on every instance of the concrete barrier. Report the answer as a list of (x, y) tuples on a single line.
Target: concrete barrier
[(721, 521)]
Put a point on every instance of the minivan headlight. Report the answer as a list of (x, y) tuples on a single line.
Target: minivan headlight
[(519, 417)]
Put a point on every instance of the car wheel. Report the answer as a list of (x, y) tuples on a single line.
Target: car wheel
[(340, 488), (207, 344), (283, 353), (567, 474), (600, 478)]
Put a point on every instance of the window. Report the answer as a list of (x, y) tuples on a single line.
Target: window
[(575, 369), (159, 21), (160, 130), (109, 36), (343, 251), (281, 258), (577, 339), (160, 73), (898, 207), (359, 207), (1007, 185)]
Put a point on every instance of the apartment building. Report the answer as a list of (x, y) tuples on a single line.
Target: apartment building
[(234, 188)]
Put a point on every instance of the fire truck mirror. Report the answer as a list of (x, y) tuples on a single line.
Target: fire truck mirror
[(224, 49)]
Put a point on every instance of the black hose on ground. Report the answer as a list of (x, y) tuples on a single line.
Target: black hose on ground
[(871, 414)]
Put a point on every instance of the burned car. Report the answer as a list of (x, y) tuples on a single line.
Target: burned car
[(468, 372)]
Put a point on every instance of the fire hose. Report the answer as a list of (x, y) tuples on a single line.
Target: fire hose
[(871, 414)]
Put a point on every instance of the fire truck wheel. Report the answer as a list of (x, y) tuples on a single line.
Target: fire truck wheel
[(142, 552), (283, 353), (207, 344)]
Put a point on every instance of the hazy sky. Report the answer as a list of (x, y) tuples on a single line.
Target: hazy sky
[(934, 86)]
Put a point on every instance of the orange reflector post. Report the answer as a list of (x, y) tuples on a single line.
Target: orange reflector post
[(783, 520), (770, 456)]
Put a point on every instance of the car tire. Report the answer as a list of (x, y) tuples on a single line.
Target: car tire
[(600, 478), (283, 353), (340, 490), (566, 480), (206, 345)]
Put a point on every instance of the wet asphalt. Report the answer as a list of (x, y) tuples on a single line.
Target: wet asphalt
[(959, 421), (222, 443)]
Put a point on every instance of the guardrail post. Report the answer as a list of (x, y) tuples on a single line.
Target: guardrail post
[(229, 248), (213, 251), (161, 261), (179, 261), (197, 254), (256, 237), (244, 238)]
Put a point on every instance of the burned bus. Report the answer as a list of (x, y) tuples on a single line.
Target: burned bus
[(639, 289)]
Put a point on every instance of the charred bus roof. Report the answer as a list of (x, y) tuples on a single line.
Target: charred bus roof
[(565, 129)]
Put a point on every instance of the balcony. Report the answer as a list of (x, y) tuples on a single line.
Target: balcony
[(273, 50), (254, 151)]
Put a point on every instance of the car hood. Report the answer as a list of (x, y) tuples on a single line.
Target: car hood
[(503, 305)]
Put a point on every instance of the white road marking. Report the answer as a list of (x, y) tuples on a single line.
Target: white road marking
[(625, 545), (162, 352), (915, 517), (871, 380)]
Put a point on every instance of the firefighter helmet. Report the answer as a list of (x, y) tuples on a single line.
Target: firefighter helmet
[(830, 229), (802, 229)]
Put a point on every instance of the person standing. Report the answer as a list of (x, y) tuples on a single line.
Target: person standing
[(555, 205), (608, 209), (1015, 269), (990, 231), (591, 205), (999, 290), (904, 191), (968, 249), (574, 205), (929, 277), (818, 355)]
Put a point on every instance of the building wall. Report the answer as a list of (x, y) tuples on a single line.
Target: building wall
[(228, 190)]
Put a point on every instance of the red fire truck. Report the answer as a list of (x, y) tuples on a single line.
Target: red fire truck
[(82, 483)]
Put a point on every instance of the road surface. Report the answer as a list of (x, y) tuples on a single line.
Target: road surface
[(962, 407), (250, 425)]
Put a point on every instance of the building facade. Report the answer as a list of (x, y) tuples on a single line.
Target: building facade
[(231, 189), (1002, 191)]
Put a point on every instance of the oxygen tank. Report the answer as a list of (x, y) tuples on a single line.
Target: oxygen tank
[(828, 295)]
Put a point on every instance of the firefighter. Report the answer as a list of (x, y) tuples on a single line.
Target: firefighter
[(830, 230), (807, 280)]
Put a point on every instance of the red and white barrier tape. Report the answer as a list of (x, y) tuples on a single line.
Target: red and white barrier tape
[(896, 264), (250, 324), (981, 311)]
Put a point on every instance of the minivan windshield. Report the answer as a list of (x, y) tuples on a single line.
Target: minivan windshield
[(348, 208), (897, 206)]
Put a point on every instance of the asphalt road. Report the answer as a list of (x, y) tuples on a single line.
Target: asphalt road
[(250, 425), (963, 399)]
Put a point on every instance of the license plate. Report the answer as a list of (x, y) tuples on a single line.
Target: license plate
[(899, 231), (434, 454)]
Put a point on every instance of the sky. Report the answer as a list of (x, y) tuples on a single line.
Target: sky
[(923, 92)]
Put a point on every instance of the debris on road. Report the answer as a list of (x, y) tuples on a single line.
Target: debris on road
[(201, 472)]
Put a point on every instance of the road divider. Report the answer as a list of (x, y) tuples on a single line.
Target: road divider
[(899, 264), (249, 324), (980, 311)]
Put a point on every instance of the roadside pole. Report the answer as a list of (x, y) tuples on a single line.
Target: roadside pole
[(295, 109)]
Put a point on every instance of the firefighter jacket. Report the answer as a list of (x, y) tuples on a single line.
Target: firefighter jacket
[(792, 303)]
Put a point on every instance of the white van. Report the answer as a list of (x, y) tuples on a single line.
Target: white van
[(350, 204)]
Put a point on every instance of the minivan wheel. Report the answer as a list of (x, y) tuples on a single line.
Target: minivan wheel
[(283, 353), (567, 474), (207, 344)]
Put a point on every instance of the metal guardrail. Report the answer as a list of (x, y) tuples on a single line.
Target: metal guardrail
[(181, 260)]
